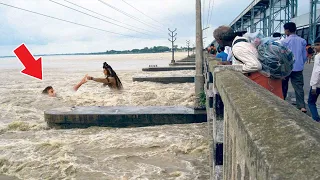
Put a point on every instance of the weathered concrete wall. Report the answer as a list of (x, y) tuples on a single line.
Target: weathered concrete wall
[(254, 134), (264, 136), (183, 64), (121, 116)]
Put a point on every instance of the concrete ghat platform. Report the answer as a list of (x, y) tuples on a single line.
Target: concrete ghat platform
[(183, 64), (187, 60), (121, 116), (171, 68), (165, 80)]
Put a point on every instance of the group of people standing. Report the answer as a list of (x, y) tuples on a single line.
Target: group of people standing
[(243, 53)]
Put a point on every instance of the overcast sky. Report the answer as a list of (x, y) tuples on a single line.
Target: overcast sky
[(43, 35)]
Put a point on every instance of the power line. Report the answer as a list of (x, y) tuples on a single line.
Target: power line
[(67, 21), (211, 11), (208, 13), (128, 15), (97, 17), (106, 16), (202, 13), (143, 13)]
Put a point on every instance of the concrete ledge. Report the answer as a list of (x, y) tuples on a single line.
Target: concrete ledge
[(265, 138), (183, 64), (171, 79), (122, 116), (191, 58), (171, 68), (187, 60)]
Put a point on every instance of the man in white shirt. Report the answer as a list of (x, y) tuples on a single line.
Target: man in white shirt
[(315, 83), (246, 54), (228, 50)]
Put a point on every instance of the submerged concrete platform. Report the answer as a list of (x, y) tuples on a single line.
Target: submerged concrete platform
[(183, 64), (167, 79), (122, 116), (170, 68), (187, 60)]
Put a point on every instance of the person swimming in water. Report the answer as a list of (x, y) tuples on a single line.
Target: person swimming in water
[(112, 81), (49, 91)]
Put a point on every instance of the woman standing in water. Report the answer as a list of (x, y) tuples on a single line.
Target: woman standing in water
[(111, 80)]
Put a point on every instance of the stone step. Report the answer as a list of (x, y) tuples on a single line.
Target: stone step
[(168, 79), (183, 64), (122, 116), (170, 68)]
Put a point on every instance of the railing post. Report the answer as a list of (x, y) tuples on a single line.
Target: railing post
[(215, 118)]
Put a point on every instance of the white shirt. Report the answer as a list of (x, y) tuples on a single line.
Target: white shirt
[(315, 77), (247, 54), (228, 50)]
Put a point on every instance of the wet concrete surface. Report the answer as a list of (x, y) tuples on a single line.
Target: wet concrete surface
[(167, 79), (122, 116), (170, 68)]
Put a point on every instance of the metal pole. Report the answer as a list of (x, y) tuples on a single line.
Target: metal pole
[(199, 79), (188, 45), (172, 40), (193, 49)]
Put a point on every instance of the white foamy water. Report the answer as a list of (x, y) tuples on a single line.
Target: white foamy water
[(29, 150)]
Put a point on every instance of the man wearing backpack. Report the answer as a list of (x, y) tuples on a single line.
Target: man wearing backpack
[(246, 54), (298, 47)]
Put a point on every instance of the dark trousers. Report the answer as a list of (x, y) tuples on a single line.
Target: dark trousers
[(312, 104), (297, 84)]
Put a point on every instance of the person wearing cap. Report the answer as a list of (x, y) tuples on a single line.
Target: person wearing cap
[(315, 83)]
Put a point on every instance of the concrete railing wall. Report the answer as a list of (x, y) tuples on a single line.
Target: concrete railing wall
[(254, 134)]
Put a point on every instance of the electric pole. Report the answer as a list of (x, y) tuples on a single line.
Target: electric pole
[(188, 45), (193, 49), (172, 40), (199, 79)]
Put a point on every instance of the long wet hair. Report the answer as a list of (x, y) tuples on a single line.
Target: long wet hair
[(112, 73)]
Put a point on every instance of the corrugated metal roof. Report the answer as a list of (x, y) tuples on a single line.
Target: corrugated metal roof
[(248, 9)]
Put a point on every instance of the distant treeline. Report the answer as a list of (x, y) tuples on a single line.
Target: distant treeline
[(155, 49)]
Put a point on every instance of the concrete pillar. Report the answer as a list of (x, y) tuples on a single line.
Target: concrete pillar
[(199, 79)]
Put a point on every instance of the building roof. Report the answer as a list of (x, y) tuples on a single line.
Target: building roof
[(303, 20), (247, 12)]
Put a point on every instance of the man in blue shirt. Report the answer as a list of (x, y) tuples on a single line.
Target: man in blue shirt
[(298, 47), (222, 55)]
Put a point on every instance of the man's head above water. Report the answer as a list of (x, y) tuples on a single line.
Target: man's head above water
[(49, 91)]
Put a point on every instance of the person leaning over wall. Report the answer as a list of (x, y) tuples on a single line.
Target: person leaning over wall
[(245, 54)]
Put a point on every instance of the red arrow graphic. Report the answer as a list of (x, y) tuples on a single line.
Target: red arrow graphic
[(32, 67)]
